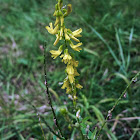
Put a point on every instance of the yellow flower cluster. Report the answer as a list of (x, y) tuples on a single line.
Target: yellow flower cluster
[(64, 51)]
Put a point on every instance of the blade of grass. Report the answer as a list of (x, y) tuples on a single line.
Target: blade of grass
[(130, 43), (116, 103), (104, 41), (120, 47)]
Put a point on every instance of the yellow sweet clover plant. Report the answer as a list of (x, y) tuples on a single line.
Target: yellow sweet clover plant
[(66, 36), (70, 83), (67, 39)]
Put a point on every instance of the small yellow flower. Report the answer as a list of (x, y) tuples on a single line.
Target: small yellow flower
[(61, 32), (68, 90), (57, 21), (54, 13), (70, 69), (51, 30), (57, 39), (71, 78), (66, 57), (69, 10), (69, 34), (56, 53), (76, 73), (79, 86), (66, 35), (62, 20), (74, 38), (76, 47), (77, 32), (65, 84), (74, 63)]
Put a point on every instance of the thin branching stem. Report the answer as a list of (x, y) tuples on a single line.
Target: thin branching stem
[(49, 96), (42, 118), (116, 103)]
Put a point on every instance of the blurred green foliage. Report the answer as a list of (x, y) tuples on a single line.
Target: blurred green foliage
[(110, 58)]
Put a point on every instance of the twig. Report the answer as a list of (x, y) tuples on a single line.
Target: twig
[(125, 119), (116, 103), (50, 129), (48, 94)]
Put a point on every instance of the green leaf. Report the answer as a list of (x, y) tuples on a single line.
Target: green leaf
[(98, 114), (54, 137), (106, 100), (93, 136), (22, 61)]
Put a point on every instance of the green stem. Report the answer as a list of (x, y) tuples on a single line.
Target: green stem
[(41, 128), (78, 121), (82, 136), (116, 103), (49, 96), (42, 118)]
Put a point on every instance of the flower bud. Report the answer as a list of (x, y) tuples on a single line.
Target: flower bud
[(60, 13), (69, 127), (69, 10), (64, 10), (77, 125), (63, 110), (78, 114), (56, 6), (61, 47)]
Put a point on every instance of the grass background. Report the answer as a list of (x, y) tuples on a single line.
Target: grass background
[(109, 59)]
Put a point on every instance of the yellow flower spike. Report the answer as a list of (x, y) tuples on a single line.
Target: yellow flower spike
[(79, 86), (70, 69), (70, 83), (77, 32), (57, 39), (56, 53), (76, 47), (66, 57)]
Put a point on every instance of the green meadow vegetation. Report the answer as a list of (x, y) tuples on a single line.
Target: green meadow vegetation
[(109, 59)]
